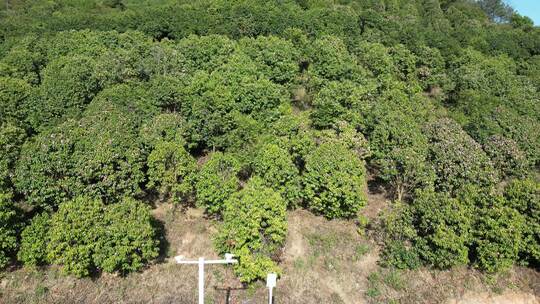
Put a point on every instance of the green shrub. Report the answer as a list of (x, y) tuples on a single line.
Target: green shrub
[(444, 226), (254, 228), (398, 236), (34, 240), (129, 240), (86, 236), (506, 156), (524, 196), (498, 236), (278, 58), (68, 85), (275, 166), (400, 255), (457, 158), (171, 171), (74, 235), (254, 266), (10, 224), (14, 94), (98, 155), (163, 127), (334, 181), (340, 100), (11, 140), (216, 181)]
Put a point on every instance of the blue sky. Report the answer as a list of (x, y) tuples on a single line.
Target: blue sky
[(529, 8)]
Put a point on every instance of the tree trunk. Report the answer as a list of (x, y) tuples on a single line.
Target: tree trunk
[(399, 192)]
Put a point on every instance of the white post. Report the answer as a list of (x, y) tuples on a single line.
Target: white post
[(201, 280), (271, 279)]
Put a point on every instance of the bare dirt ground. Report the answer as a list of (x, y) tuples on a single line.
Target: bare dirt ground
[(507, 298), (323, 262)]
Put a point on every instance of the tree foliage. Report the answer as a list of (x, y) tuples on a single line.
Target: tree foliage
[(34, 239), (444, 229), (86, 236), (10, 223), (334, 181), (254, 228), (457, 158), (97, 155), (524, 196), (276, 168), (171, 170), (217, 181)]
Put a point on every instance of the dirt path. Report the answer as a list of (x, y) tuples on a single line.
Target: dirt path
[(487, 298)]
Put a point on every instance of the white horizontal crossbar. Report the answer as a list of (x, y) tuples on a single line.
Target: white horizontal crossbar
[(180, 260), (209, 262)]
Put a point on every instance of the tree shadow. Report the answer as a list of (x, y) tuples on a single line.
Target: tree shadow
[(377, 186), (228, 291), (164, 245)]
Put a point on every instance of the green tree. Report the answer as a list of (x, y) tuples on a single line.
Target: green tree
[(276, 168), (278, 58), (22, 61), (68, 85), (228, 107), (34, 240), (171, 171), (10, 224), (254, 228), (506, 156), (14, 94), (444, 228), (524, 196), (11, 140), (98, 155), (216, 181), (498, 237), (497, 10), (42, 172), (206, 53), (86, 236), (400, 154), (340, 100), (457, 158), (170, 127), (129, 240), (334, 181), (74, 234), (330, 59)]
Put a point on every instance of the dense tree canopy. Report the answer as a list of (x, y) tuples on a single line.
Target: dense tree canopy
[(246, 108)]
